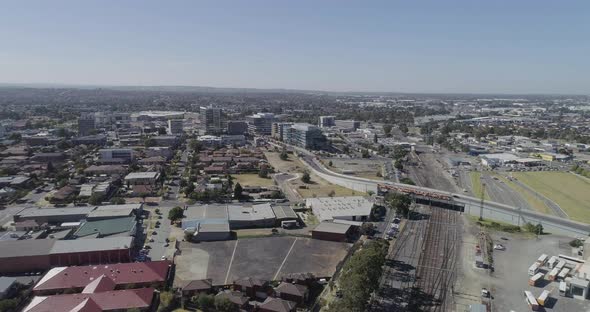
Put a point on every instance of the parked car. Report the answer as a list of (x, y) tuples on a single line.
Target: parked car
[(499, 247)]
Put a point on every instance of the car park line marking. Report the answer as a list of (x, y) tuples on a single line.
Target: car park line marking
[(284, 260), (231, 261)]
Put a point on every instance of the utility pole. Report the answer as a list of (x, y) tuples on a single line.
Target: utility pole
[(483, 192)]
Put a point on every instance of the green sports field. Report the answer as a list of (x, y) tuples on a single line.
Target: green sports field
[(571, 193)]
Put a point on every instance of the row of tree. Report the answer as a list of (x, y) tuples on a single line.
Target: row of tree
[(360, 277)]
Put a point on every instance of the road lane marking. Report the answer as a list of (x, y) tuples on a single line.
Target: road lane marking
[(231, 261), (284, 260)]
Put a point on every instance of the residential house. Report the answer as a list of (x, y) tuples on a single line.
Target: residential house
[(196, 287), (253, 287), (292, 292)]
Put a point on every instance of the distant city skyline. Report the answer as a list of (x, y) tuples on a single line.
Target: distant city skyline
[(503, 47)]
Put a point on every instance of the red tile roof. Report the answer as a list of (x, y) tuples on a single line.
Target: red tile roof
[(103, 283), (104, 301), (120, 274)]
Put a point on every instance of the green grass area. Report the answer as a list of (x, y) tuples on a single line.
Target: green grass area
[(531, 199), (252, 179), (498, 225), (569, 192), (476, 185), (368, 175), (318, 190)]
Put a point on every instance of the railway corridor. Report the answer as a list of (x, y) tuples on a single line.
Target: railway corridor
[(437, 265), (419, 271)]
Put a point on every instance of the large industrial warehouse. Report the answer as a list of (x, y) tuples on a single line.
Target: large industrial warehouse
[(21, 256)]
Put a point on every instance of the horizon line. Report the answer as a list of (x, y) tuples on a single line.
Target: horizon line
[(45, 85)]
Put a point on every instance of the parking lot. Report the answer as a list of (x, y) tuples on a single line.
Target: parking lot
[(265, 258), (510, 278)]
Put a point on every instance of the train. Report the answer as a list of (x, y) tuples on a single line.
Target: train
[(383, 189)]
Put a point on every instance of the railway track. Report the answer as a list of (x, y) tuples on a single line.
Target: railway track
[(435, 272)]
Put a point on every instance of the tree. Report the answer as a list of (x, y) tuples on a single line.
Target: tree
[(404, 128), (332, 193), (149, 142), (194, 145), (367, 228), (400, 202), (189, 189), (205, 302), (387, 130), (405, 180), (95, 199), (365, 153), (539, 229), (223, 304), (284, 156), (363, 270), (306, 178), (175, 213), (330, 164), (399, 152), (238, 191), (8, 304), (117, 201), (166, 300), (50, 167), (17, 137), (398, 165), (263, 173), (62, 133), (63, 144)]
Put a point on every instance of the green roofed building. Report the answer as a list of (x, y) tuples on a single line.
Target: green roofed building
[(125, 226)]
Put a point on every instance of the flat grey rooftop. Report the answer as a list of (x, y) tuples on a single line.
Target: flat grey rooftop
[(330, 227)]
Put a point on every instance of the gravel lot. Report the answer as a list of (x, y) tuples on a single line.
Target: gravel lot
[(510, 278)]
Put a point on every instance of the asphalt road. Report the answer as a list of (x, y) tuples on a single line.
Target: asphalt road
[(495, 210), (282, 180), (502, 193)]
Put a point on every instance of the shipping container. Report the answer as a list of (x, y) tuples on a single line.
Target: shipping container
[(553, 274), (560, 264), (534, 269), (552, 262), (536, 279), (563, 273), (531, 300), (542, 259), (543, 298), (563, 289)]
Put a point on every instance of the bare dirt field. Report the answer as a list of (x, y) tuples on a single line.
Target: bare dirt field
[(318, 186)]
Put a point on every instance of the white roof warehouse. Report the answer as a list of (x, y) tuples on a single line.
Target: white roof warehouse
[(355, 208)]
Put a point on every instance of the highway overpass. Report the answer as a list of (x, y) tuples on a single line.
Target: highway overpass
[(492, 210)]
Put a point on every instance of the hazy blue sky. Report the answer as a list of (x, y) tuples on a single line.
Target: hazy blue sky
[(413, 46)]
